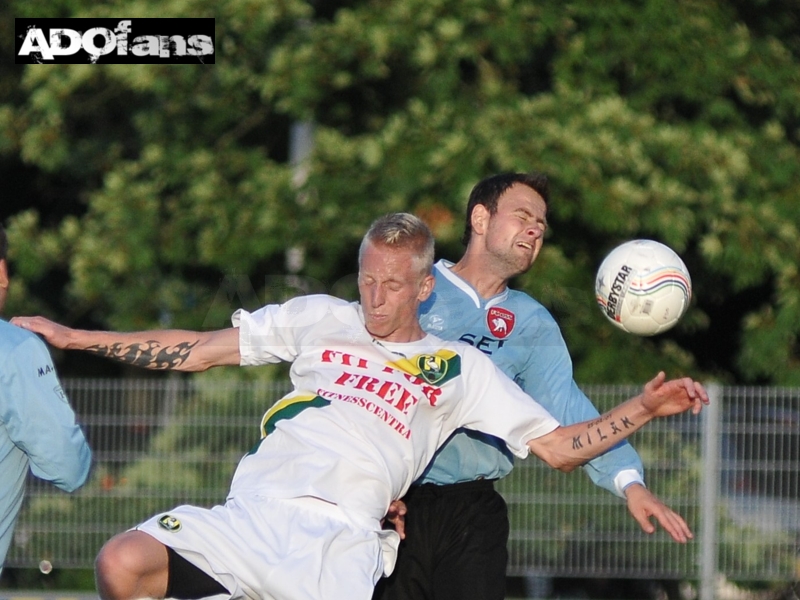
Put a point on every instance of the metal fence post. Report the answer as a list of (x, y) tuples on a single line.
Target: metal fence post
[(710, 480)]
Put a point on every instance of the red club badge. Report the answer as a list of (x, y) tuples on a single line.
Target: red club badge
[(500, 322)]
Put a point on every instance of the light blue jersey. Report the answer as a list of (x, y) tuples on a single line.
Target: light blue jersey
[(37, 426), (524, 341)]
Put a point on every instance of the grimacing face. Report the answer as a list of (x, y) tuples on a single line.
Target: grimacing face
[(391, 288), (515, 233)]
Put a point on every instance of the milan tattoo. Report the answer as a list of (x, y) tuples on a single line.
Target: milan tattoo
[(601, 429), (149, 355)]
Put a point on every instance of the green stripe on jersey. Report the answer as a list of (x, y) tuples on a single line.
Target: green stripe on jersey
[(289, 408), (286, 408)]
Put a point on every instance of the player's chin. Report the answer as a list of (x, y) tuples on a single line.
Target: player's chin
[(523, 259), (377, 328)]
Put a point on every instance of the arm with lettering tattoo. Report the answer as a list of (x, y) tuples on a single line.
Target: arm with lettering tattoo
[(567, 448), (171, 349)]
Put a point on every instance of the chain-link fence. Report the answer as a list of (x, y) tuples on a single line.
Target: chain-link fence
[(734, 474), (563, 526)]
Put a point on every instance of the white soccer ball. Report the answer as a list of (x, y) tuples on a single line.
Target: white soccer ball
[(643, 287)]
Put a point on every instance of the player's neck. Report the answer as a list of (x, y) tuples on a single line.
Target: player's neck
[(480, 275), (402, 336)]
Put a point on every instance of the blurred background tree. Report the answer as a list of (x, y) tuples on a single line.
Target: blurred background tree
[(169, 195)]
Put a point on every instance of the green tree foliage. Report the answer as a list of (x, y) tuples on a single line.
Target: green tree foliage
[(150, 194)]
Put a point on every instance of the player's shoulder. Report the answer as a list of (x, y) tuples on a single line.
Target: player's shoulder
[(524, 300), (14, 339), (463, 349), (22, 350), (313, 301), (527, 309), (319, 304), (443, 344)]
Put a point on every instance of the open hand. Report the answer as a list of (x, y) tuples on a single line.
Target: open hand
[(664, 398), (643, 504), (55, 334)]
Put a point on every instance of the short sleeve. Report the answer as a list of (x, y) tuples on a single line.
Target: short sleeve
[(276, 332), (260, 338), (498, 406)]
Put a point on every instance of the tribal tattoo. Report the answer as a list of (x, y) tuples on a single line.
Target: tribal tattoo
[(600, 430), (149, 355)]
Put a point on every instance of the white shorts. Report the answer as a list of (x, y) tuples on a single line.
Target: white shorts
[(275, 549)]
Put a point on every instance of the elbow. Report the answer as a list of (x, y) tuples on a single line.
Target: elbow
[(195, 365), (203, 365), (558, 461), (73, 481), (553, 450), (74, 478), (71, 486), (563, 465)]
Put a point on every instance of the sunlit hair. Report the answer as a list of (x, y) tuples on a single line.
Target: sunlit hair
[(488, 191), (3, 243), (402, 230)]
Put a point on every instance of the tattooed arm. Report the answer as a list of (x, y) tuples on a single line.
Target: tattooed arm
[(566, 448), (170, 349)]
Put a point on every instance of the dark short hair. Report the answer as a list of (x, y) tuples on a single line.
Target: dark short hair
[(3, 243), (488, 191)]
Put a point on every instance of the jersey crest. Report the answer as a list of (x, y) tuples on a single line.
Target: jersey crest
[(432, 368), (500, 322), (435, 369)]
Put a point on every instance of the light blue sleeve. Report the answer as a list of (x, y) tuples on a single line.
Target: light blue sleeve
[(39, 419), (548, 378)]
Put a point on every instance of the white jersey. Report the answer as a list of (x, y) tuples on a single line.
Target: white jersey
[(365, 417)]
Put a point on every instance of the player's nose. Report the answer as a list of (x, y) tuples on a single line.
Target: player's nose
[(536, 230), (378, 296)]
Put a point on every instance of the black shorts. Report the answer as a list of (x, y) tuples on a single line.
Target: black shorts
[(187, 582), (455, 546)]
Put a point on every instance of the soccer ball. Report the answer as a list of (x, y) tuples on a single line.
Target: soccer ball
[(643, 287)]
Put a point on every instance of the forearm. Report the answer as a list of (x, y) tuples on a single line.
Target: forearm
[(569, 447), (174, 349), (167, 349), (612, 470)]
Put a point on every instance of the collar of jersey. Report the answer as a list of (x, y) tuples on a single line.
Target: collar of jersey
[(444, 267), (401, 348), (407, 348)]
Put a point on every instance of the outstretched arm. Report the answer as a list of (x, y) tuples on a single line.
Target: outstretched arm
[(170, 349), (547, 376), (569, 447)]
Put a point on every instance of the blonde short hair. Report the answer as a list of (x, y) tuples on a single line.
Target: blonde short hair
[(402, 230)]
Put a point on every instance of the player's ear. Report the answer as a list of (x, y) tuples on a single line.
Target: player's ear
[(479, 219), (3, 283), (426, 288), (3, 274)]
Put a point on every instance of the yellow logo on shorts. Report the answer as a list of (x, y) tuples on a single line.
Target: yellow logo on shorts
[(170, 523)]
